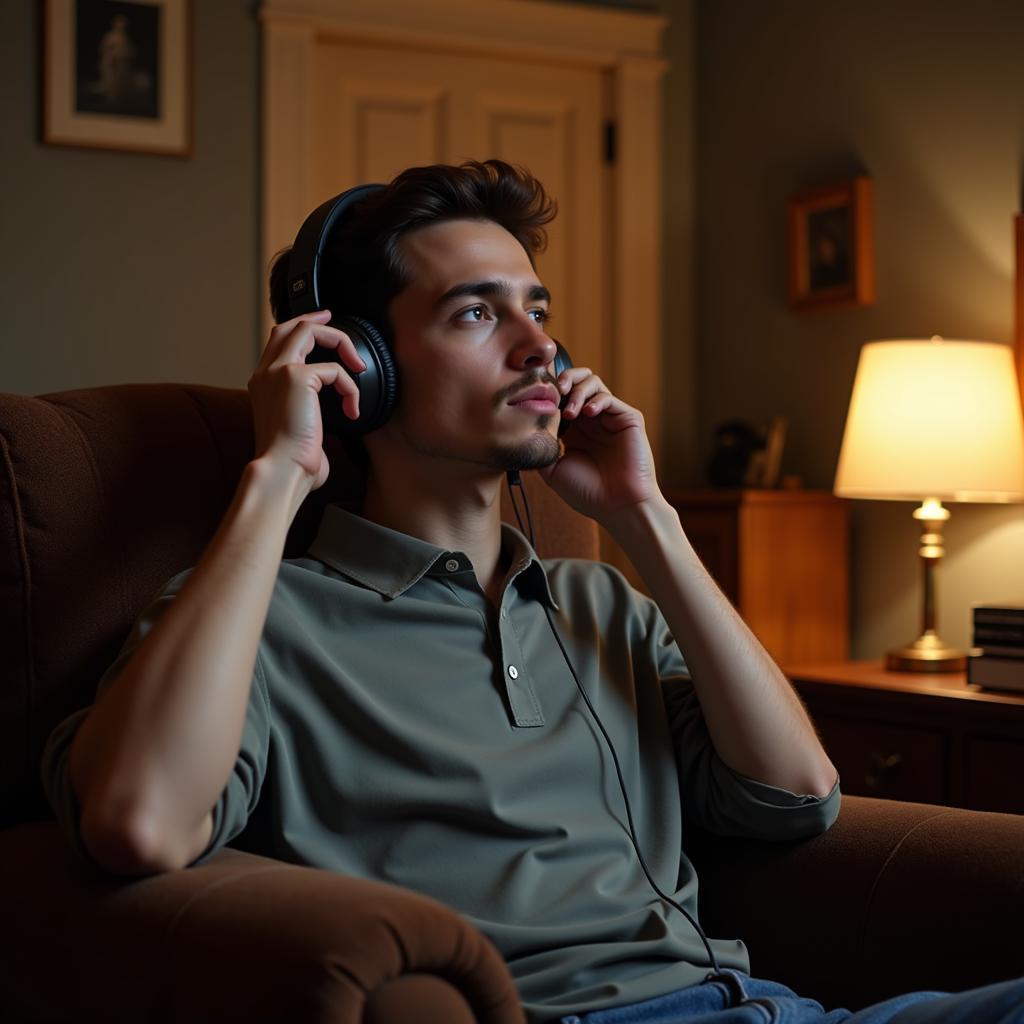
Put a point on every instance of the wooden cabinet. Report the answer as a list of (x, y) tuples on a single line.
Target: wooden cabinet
[(913, 736), (781, 557)]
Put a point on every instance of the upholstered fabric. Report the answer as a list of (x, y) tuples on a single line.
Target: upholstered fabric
[(242, 938), (896, 897), (104, 494)]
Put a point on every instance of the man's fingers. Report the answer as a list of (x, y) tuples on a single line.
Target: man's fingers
[(588, 395), (280, 333), (334, 375), (300, 342), (567, 379), (293, 340), (584, 390), (320, 316), (601, 401)]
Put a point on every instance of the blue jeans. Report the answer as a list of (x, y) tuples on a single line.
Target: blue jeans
[(733, 998)]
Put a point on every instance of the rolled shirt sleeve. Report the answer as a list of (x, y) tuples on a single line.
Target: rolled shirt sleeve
[(241, 792), (715, 796)]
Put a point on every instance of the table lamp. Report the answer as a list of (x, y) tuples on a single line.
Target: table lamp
[(933, 421)]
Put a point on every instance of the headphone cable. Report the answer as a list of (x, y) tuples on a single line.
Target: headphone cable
[(514, 480)]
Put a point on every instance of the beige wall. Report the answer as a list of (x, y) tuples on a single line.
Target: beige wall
[(928, 98), (118, 267)]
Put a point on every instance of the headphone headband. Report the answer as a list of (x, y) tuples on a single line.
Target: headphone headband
[(304, 258)]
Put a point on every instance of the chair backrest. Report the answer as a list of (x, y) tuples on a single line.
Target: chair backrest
[(106, 493)]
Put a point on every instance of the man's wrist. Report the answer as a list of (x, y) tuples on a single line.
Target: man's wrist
[(639, 525), (274, 479)]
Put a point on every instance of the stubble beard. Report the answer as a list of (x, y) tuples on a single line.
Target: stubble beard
[(537, 452)]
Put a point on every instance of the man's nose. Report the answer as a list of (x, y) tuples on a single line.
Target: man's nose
[(533, 348)]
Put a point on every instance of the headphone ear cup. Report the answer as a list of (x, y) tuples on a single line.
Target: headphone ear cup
[(562, 362), (562, 358), (378, 383)]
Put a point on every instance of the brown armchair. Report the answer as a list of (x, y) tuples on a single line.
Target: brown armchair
[(104, 494)]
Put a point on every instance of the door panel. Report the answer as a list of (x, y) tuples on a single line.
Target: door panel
[(399, 129)]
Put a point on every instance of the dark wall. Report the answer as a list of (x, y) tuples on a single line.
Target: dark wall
[(121, 267)]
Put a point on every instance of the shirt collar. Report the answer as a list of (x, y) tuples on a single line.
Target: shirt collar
[(390, 562)]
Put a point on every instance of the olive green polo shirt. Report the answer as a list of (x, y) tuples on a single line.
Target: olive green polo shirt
[(400, 728)]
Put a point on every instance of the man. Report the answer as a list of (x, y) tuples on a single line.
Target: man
[(397, 704)]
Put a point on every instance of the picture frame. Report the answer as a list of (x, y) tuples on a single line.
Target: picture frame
[(830, 246), (117, 74)]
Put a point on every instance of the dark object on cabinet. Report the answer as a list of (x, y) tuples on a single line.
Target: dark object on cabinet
[(736, 443)]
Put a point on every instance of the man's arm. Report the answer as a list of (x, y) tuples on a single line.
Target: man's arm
[(756, 721), (152, 757)]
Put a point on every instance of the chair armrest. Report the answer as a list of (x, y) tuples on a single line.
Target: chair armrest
[(895, 897), (239, 938)]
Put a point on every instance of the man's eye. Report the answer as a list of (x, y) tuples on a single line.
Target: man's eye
[(475, 314), (541, 316)]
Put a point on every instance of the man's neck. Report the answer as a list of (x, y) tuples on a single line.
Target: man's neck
[(456, 514)]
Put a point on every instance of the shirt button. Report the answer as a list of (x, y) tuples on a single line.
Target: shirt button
[(452, 564), (513, 671)]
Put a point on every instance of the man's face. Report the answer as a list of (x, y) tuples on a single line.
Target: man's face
[(474, 361)]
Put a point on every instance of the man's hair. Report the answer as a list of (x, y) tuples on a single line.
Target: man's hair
[(362, 268)]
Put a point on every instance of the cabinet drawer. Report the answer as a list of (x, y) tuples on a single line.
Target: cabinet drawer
[(890, 761), (994, 774)]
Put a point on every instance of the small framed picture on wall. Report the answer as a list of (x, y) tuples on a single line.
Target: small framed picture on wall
[(117, 75), (830, 249)]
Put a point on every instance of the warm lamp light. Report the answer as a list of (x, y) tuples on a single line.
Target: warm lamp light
[(933, 421)]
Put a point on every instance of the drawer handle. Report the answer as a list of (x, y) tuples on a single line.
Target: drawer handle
[(880, 766)]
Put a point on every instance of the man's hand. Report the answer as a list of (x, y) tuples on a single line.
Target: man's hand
[(285, 388), (608, 466)]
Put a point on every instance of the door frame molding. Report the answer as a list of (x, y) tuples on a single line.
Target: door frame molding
[(625, 45)]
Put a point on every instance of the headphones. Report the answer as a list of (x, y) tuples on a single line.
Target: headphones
[(378, 384)]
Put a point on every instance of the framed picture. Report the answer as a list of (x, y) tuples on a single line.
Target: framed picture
[(831, 257), (117, 75)]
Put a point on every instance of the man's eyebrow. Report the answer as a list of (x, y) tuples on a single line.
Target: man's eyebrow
[(487, 288)]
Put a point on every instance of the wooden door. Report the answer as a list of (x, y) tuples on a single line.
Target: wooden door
[(379, 108)]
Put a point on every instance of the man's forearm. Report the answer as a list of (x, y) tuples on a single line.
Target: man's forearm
[(757, 723), (153, 755)]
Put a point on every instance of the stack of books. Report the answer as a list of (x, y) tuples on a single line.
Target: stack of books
[(997, 658)]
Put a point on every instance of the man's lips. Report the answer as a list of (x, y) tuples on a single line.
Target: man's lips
[(542, 398)]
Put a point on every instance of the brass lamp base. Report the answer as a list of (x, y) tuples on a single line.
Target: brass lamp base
[(926, 654)]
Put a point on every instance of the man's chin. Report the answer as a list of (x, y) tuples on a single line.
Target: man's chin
[(538, 452)]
